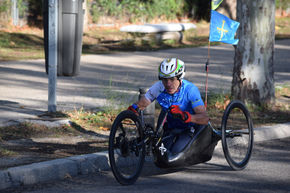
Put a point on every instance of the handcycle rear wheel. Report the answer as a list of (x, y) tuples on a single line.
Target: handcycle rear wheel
[(126, 148), (237, 135)]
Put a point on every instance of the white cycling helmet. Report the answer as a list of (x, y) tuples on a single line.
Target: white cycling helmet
[(172, 67)]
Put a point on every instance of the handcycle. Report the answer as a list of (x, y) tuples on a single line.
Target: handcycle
[(131, 140)]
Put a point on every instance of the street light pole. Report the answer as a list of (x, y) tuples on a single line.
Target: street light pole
[(52, 54)]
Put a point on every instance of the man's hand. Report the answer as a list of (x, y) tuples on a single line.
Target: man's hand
[(134, 107), (178, 113)]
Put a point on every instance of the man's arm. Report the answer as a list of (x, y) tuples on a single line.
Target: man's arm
[(200, 117), (143, 103)]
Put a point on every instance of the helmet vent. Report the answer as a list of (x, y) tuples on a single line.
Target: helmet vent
[(171, 68)]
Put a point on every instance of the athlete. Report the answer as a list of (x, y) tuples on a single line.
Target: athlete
[(186, 108)]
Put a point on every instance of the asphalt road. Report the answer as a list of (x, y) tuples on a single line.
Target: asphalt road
[(268, 171)]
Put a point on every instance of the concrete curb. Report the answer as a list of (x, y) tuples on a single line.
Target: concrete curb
[(60, 169), (272, 132), (48, 123)]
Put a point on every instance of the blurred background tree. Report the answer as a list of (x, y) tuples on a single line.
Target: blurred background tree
[(129, 11), (4, 12)]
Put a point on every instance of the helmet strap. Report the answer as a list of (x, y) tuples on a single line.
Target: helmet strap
[(180, 82)]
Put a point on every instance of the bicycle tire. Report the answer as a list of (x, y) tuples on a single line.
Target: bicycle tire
[(237, 135), (126, 148)]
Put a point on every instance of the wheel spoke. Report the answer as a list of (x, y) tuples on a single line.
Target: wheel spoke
[(232, 134), (126, 152), (237, 135)]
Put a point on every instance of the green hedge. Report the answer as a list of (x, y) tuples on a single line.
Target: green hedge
[(135, 10)]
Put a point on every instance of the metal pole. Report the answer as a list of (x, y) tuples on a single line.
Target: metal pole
[(14, 12), (52, 54)]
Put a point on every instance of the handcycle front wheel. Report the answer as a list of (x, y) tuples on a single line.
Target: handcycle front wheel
[(237, 135), (126, 148)]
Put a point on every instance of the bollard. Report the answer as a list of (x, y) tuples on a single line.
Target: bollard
[(149, 112)]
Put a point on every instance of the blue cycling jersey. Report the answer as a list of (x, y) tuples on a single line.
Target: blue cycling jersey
[(187, 98)]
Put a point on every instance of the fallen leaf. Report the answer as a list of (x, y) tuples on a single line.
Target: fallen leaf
[(218, 105), (105, 128), (226, 103)]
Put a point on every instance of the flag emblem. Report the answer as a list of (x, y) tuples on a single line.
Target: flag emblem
[(222, 29)]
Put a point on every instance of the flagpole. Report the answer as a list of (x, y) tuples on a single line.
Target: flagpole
[(206, 64), (206, 69), (232, 27)]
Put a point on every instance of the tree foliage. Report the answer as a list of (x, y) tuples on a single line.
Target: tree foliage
[(135, 10), (129, 10), (132, 10), (4, 6), (282, 4)]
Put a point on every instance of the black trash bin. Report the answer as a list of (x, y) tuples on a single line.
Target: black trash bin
[(70, 32)]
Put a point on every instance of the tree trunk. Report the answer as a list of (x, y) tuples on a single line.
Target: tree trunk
[(253, 73), (229, 8), (85, 7)]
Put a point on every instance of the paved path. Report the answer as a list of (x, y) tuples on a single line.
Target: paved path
[(108, 77)]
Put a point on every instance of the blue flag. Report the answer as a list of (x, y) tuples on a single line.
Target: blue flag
[(222, 29)]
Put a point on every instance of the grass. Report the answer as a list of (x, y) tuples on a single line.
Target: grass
[(20, 46), (261, 115), (282, 90), (282, 28), (27, 43), (106, 41), (6, 153), (29, 130), (93, 121)]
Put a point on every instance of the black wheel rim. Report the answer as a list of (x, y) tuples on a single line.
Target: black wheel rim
[(237, 136), (126, 150)]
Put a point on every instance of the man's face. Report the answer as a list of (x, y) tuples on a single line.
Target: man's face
[(171, 84)]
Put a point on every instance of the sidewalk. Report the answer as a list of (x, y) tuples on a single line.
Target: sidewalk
[(23, 88)]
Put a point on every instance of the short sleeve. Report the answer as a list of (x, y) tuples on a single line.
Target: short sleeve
[(154, 91), (195, 97)]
